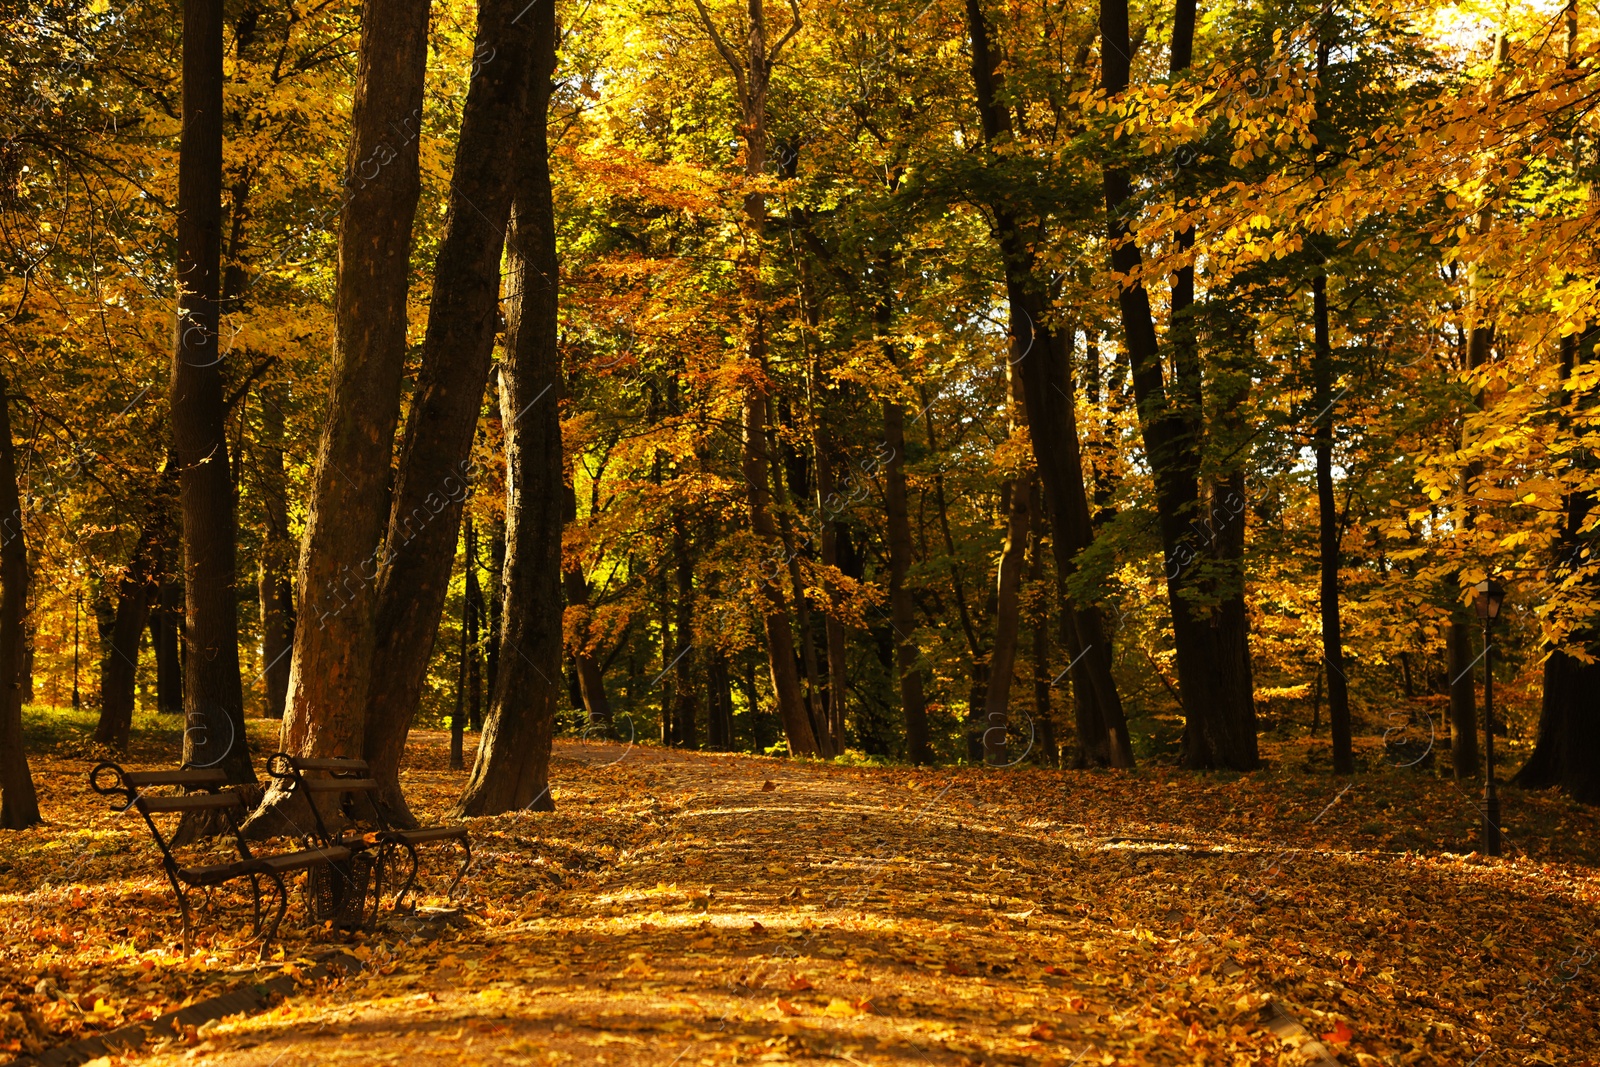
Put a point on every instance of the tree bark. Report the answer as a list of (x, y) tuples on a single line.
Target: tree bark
[(1328, 528), (513, 764), (19, 804), (341, 550), (1218, 704), (435, 462), (274, 583), (213, 693)]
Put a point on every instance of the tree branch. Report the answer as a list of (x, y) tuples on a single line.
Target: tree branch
[(727, 53)]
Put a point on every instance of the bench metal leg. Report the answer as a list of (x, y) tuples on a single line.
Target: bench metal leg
[(410, 881), (183, 912), (461, 873), (255, 906), (277, 918)]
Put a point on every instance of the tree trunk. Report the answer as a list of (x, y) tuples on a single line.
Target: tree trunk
[(19, 804), (685, 730), (213, 694), (1218, 704), (1463, 698), (473, 592), (435, 462), (1044, 725), (591, 680), (497, 568), (902, 610), (513, 764), (1043, 356), (341, 550), (1566, 750), (1328, 528), (1008, 618), (119, 663), (166, 630), (752, 73), (275, 585)]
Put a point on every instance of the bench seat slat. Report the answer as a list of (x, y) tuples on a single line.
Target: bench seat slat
[(217, 873), (311, 857), (425, 834), (326, 763), (203, 776), (340, 785), (192, 802)]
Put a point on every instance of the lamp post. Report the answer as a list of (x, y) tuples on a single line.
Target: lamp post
[(77, 611), (1487, 602)]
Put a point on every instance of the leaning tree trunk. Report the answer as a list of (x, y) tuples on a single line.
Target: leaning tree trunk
[(513, 765), (213, 694), (19, 804), (435, 457), (1042, 353), (341, 550), (120, 663)]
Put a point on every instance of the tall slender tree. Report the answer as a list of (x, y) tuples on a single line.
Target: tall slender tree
[(425, 516), (212, 691), (513, 766), (1042, 352), (752, 77), (1212, 648)]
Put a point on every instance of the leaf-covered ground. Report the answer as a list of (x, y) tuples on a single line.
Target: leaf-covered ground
[(686, 908)]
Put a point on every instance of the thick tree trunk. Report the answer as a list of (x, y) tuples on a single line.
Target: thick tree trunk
[(1217, 701), (435, 463), (341, 551), (274, 583), (902, 609), (213, 693), (513, 765), (19, 804), (119, 662), (1328, 530)]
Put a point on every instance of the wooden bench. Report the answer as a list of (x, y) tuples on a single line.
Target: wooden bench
[(207, 790), (352, 779)]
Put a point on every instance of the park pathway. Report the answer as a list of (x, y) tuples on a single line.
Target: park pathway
[(693, 908)]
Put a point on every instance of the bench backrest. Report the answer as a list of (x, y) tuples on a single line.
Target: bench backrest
[(150, 794), (337, 775)]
